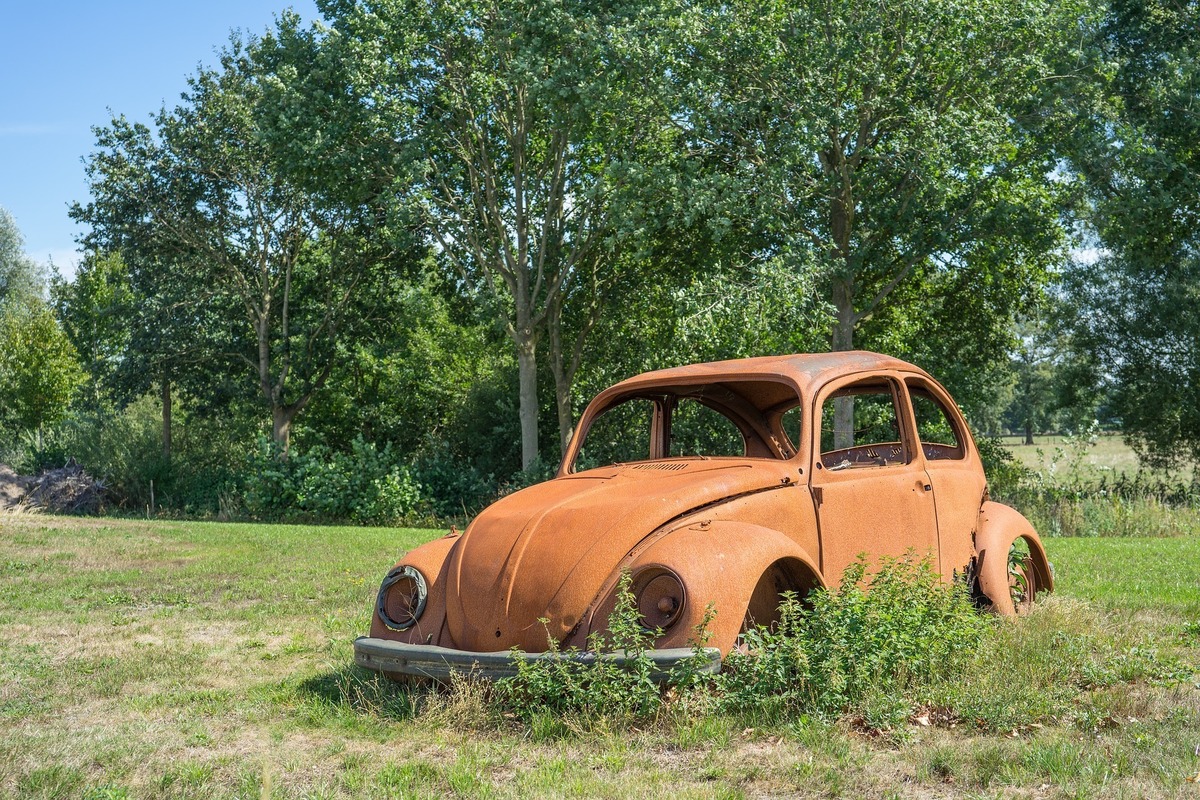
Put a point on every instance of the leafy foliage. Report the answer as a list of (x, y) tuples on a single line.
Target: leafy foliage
[(20, 276), (368, 485), (39, 369), (865, 649), (1132, 309), (846, 129), (246, 272), (440, 227)]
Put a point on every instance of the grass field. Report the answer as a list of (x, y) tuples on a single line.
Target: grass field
[(179, 660), (1107, 459)]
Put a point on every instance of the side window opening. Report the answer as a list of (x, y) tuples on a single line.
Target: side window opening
[(790, 422), (860, 427), (939, 439), (735, 419)]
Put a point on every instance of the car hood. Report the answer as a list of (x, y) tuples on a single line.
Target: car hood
[(545, 552)]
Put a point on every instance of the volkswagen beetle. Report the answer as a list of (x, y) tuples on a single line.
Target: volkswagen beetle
[(723, 484)]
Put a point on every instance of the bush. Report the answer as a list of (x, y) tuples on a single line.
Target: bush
[(366, 485), (864, 651), (451, 486), (121, 447)]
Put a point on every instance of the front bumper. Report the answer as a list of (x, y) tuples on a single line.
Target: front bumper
[(431, 661)]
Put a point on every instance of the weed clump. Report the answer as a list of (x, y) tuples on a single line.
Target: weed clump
[(566, 684), (865, 650)]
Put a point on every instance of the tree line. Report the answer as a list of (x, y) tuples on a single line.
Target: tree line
[(438, 228)]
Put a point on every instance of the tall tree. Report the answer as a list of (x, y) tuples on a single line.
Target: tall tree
[(1135, 306), (39, 369), (20, 275), (901, 145), (265, 273), (527, 125), (93, 308)]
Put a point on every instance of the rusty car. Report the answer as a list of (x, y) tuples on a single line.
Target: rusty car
[(719, 485)]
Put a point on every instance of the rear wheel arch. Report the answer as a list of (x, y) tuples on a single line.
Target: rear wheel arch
[(1000, 528), (785, 575)]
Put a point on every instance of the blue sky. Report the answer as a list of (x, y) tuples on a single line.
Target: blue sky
[(64, 65)]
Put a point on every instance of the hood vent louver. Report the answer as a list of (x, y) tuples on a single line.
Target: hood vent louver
[(666, 467)]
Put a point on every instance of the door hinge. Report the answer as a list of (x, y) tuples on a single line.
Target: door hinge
[(818, 495)]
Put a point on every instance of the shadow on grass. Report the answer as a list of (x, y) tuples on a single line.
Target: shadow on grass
[(353, 690), (356, 695)]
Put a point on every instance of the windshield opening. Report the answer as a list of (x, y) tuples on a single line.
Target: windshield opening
[(748, 419)]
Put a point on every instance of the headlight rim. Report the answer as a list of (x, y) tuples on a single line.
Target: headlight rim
[(394, 576)]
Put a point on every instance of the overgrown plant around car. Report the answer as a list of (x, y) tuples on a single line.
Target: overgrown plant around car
[(882, 649), (864, 649), (603, 687)]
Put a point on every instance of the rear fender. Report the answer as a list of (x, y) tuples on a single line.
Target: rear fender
[(719, 563), (999, 527)]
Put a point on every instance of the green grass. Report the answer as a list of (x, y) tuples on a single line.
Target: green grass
[(1159, 577), (196, 660)]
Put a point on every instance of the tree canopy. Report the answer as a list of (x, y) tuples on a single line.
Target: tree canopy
[(20, 275), (440, 226), (1133, 309)]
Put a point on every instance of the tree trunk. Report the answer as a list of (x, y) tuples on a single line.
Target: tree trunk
[(281, 426), (566, 418), (562, 403), (1028, 431), (843, 339), (528, 409), (563, 375), (166, 419)]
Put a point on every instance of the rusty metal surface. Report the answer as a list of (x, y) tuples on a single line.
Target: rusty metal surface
[(733, 532)]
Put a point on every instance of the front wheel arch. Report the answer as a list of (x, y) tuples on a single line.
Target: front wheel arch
[(723, 563)]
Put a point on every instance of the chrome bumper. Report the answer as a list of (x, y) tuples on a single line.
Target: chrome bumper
[(430, 661)]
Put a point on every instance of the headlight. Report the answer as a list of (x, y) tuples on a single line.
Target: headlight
[(660, 597), (402, 598)]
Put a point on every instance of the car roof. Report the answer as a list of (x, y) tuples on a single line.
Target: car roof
[(806, 370)]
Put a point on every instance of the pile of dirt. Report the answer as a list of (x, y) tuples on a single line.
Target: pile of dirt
[(13, 487), (66, 490)]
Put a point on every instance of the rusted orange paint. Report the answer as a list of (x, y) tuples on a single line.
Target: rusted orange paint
[(736, 531)]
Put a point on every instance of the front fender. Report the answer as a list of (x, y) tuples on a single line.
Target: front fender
[(719, 563), (433, 560), (999, 527)]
